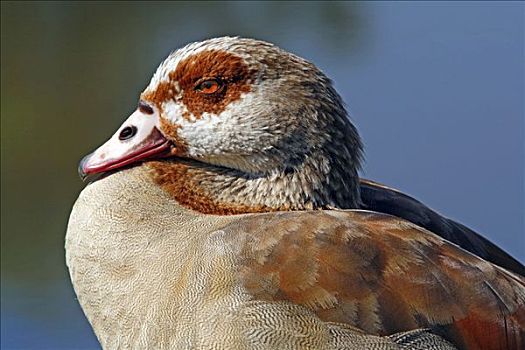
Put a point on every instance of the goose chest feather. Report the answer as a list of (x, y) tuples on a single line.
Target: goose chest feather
[(230, 215)]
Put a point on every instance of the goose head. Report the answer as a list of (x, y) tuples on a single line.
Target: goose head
[(258, 126)]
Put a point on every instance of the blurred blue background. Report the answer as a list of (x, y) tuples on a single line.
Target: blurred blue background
[(436, 90)]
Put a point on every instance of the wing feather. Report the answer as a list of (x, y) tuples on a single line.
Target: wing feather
[(380, 198), (381, 274)]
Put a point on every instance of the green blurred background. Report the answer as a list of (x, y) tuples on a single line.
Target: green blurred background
[(436, 90)]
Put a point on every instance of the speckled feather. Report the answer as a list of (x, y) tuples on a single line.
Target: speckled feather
[(165, 277)]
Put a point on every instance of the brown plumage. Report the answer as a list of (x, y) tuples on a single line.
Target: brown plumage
[(250, 233), (382, 275)]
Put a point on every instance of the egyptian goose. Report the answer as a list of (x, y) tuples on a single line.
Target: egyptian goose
[(230, 215)]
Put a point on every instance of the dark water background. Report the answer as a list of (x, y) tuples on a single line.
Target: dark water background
[(436, 90)]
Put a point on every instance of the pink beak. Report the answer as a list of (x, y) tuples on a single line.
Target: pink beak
[(138, 139)]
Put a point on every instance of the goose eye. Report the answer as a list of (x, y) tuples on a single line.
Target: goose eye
[(208, 86)]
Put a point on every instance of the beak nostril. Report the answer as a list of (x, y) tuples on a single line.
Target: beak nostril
[(127, 133)]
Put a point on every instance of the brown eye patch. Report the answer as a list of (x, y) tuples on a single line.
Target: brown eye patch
[(235, 76)]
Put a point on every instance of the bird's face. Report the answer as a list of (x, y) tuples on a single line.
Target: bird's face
[(238, 103)]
